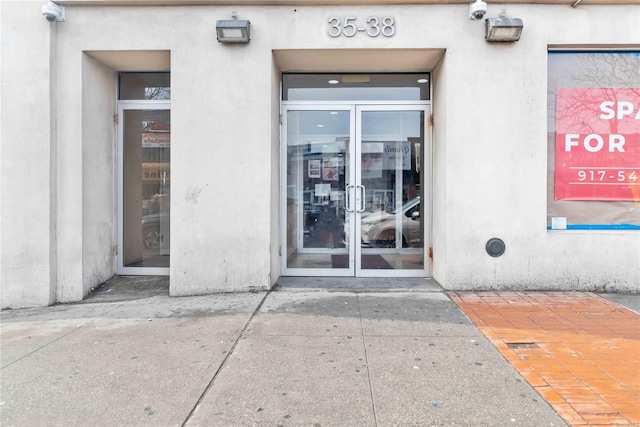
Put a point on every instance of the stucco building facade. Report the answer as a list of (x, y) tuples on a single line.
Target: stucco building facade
[(107, 114)]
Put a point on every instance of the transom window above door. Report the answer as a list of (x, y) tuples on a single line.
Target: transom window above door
[(377, 87), (145, 86)]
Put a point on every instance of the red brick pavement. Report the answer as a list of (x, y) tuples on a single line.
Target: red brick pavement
[(580, 351)]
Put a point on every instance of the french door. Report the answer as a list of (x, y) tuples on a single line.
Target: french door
[(355, 192), (144, 188)]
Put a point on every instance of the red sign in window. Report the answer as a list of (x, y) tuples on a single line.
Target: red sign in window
[(597, 144)]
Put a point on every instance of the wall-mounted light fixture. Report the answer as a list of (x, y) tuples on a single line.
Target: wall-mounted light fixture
[(503, 29), (233, 31)]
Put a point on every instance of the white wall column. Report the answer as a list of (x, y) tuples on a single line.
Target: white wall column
[(27, 155)]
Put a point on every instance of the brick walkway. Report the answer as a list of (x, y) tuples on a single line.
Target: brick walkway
[(578, 350)]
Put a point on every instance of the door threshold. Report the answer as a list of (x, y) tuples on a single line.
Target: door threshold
[(358, 284)]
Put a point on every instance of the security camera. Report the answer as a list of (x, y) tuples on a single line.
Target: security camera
[(52, 12), (477, 10)]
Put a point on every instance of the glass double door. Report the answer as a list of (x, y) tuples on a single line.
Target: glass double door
[(355, 197)]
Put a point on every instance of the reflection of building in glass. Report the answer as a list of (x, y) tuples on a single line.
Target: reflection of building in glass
[(593, 140)]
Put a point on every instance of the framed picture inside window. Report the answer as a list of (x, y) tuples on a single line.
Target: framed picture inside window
[(314, 168)]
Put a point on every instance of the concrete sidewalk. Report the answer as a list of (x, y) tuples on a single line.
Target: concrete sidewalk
[(280, 358)]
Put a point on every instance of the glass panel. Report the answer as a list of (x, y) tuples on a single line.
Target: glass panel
[(317, 176), (138, 86), (593, 140), (146, 192), (355, 87), (392, 229)]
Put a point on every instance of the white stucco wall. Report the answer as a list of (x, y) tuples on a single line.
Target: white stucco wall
[(439, 172), (98, 173), (489, 147), (27, 95), (221, 161), (274, 271), (496, 161)]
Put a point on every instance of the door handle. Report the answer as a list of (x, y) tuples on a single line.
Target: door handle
[(348, 206), (363, 192)]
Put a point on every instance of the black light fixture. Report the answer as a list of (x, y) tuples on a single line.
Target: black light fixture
[(233, 31), (503, 29)]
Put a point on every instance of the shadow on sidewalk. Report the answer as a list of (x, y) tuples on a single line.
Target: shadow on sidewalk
[(127, 288)]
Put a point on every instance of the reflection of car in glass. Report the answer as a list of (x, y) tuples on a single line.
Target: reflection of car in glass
[(155, 221), (378, 229), (151, 233)]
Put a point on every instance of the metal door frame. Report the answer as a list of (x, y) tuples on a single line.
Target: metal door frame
[(309, 106), (359, 271), (355, 249), (120, 267)]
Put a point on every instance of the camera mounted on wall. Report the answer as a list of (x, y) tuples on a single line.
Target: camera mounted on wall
[(53, 12), (477, 10)]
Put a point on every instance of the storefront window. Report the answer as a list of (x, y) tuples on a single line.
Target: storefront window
[(593, 140)]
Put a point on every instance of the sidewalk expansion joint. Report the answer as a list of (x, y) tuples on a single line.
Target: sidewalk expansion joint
[(58, 338), (366, 361), (224, 361)]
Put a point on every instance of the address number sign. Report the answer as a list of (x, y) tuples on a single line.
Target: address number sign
[(373, 26)]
